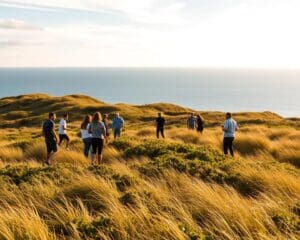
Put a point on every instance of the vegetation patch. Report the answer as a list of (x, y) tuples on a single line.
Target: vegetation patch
[(25, 174), (97, 228)]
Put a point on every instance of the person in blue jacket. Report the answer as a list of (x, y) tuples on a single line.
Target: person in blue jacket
[(117, 125)]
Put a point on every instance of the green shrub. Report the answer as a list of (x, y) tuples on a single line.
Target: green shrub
[(24, 174), (93, 229), (129, 198), (286, 222), (101, 170), (123, 182), (153, 149), (193, 234), (122, 143)]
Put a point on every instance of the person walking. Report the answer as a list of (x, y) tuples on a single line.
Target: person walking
[(62, 131), (229, 129), (105, 121), (117, 125), (50, 137), (191, 122), (85, 135), (160, 125), (200, 123), (98, 131)]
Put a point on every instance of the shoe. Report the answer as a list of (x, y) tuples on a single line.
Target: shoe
[(47, 163)]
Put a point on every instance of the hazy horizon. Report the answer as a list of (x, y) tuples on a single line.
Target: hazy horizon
[(222, 90)]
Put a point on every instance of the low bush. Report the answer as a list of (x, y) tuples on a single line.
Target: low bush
[(26, 174)]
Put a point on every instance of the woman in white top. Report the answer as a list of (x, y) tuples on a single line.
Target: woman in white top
[(85, 135)]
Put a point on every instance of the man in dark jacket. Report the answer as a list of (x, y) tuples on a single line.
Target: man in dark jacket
[(50, 137), (160, 125)]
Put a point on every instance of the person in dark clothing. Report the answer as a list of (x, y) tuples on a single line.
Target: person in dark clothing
[(105, 121), (160, 125), (200, 123), (50, 137), (228, 144)]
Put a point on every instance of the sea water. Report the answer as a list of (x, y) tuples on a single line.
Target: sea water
[(201, 89)]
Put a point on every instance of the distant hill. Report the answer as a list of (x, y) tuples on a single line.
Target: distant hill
[(31, 109)]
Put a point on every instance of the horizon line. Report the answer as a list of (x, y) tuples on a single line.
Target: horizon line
[(154, 67)]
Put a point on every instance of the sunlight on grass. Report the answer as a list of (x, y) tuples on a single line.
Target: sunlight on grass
[(181, 187)]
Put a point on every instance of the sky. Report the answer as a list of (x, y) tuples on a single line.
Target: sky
[(150, 33)]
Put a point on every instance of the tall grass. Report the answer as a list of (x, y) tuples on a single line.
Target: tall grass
[(165, 190), (9, 154)]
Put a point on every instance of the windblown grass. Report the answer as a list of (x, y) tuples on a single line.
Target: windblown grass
[(181, 187), (248, 144), (36, 151), (9, 154)]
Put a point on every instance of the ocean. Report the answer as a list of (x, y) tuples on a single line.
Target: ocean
[(201, 89)]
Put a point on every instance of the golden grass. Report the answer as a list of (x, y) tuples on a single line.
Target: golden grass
[(36, 151), (173, 206), (184, 135), (146, 132), (10, 154), (71, 157), (251, 143), (259, 198), (22, 223)]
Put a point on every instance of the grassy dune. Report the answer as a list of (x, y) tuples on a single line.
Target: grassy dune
[(178, 188)]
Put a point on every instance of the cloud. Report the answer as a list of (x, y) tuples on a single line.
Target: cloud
[(244, 35), (141, 11), (80, 45), (169, 14), (94, 5), (16, 25), (10, 43)]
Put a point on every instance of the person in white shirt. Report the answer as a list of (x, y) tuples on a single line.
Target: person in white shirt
[(62, 131), (85, 135), (229, 129)]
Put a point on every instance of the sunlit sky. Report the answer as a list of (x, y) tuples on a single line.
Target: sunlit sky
[(150, 33)]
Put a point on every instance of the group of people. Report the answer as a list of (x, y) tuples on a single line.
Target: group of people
[(95, 131), (195, 122)]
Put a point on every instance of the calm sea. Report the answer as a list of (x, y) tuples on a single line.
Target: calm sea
[(200, 89)]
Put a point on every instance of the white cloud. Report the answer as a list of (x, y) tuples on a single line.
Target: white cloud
[(145, 11), (245, 35), (81, 45), (120, 5), (16, 25)]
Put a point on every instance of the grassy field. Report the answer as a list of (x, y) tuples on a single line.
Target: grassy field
[(182, 187)]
